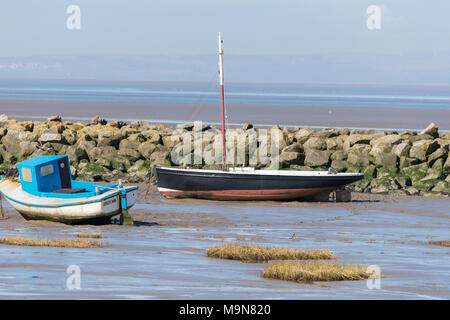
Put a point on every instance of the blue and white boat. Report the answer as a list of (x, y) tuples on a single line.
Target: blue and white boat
[(46, 191)]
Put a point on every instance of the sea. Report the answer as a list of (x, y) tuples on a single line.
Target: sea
[(360, 96)]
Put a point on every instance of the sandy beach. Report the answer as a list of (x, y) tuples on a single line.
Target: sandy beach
[(163, 255), (301, 116)]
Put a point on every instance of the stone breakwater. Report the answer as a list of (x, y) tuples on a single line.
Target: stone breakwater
[(403, 163)]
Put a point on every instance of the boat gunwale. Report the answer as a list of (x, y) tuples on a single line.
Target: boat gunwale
[(255, 173), (104, 196)]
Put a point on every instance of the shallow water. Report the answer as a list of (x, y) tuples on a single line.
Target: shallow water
[(163, 255)]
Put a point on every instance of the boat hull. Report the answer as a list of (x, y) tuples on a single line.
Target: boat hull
[(96, 209), (253, 185)]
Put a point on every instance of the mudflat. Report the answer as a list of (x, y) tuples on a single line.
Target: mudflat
[(302, 116), (163, 256)]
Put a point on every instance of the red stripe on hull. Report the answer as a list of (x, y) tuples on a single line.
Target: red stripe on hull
[(268, 194)]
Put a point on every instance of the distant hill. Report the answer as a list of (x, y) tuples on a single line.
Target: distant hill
[(312, 68)]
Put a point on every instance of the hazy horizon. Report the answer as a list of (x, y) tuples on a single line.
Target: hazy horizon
[(338, 69), (287, 41)]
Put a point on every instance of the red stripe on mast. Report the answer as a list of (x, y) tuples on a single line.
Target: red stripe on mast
[(224, 141), (222, 103)]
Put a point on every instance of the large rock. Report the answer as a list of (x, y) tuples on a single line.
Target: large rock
[(438, 154), (295, 147), (339, 155), (442, 187), (98, 120), (70, 136), (54, 118), (383, 185), (332, 132), (171, 141), (85, 144), (131, 154), (335, 143), (290, 157), (407, 162), (432, 175), (339, 165), (422, 149), (358, 159), (358, 155), (147, 148), (401, 149), (358, 139), (139, 171), (446, 167), (92, 172), (432, 130), (11, 143), (383, 157), (109, 136), (315, 143), (152, 136), (303, 135), (389, 140), (317, 158)]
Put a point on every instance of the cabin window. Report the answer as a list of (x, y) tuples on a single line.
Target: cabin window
[(26, 175), (46, 170)]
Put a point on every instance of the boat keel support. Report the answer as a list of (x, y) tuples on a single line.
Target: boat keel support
[(125, 217)]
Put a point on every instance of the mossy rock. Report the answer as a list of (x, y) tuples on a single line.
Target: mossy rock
[(422, 149), (416, 176), (403, 180), (398, 192), (416, 172), (430, 193), (120, 163), (360, 186), (426, 185), (383, 185), (442, 187), (104, 162), (387, 172), (92, 172), (114, 176), (405, 162), (370, 172), (412, 191)]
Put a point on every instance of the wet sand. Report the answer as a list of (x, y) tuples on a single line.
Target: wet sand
[(163, 255), (382, 118)]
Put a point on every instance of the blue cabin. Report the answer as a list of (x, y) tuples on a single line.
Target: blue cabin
[(49, 176)]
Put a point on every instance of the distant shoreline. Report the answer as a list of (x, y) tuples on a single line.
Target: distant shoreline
[(262, 116)]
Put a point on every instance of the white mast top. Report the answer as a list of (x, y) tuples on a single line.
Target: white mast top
[(221, 58)]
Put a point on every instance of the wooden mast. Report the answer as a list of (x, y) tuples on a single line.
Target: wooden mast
[(222, 103)]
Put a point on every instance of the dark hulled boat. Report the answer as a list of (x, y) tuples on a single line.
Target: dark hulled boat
[(247, 184)]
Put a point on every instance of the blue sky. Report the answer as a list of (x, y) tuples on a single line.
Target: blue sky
[(249, 27)]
